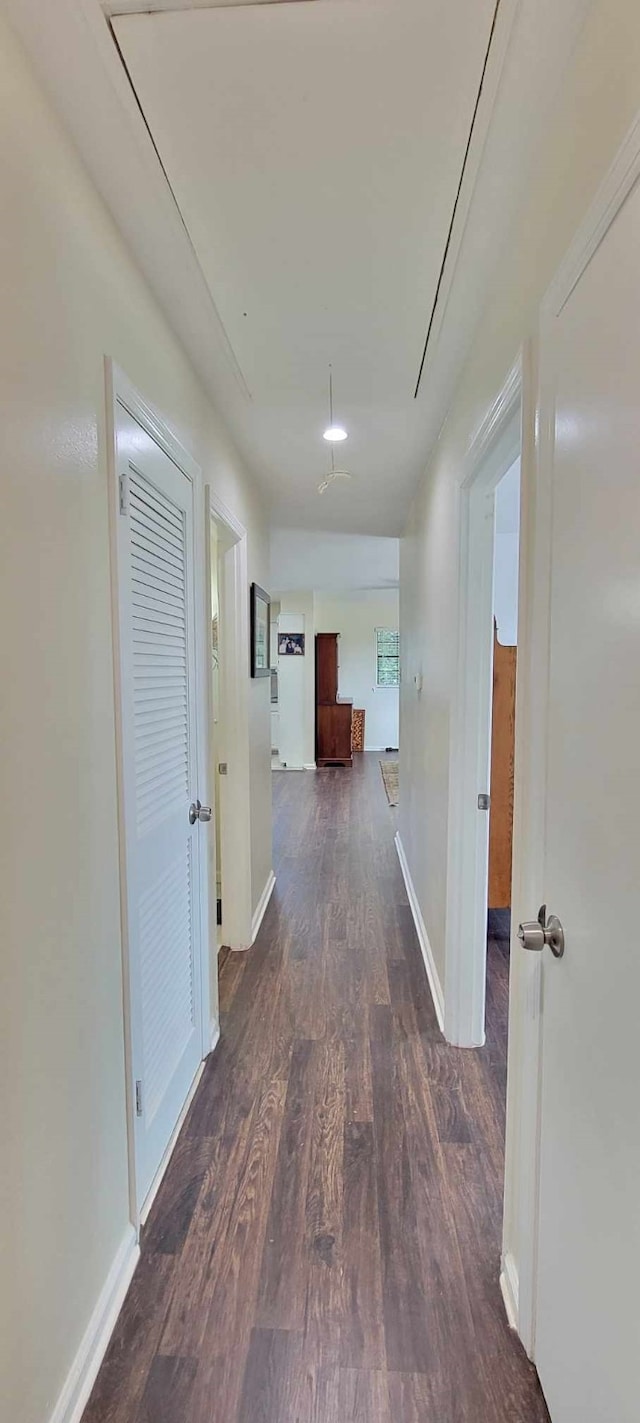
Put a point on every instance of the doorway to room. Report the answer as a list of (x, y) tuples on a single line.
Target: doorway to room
[(480, 829), (229, 758), (502, 758)]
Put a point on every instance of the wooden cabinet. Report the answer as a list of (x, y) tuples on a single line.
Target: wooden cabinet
[(333, 713)]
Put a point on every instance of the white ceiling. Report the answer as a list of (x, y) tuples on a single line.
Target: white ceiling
[(348, 96), (315, 152), (332, 562)]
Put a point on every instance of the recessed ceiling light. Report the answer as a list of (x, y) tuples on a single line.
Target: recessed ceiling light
[(335, 433)]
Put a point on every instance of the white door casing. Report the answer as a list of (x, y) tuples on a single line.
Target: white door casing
[(587, 1317), (157, 597)]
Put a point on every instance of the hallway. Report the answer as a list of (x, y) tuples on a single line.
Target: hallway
[(325, 1245)]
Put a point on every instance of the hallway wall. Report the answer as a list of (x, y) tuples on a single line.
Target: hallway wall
[(356, 616), (70, 294), (592, 113), (297, 683)]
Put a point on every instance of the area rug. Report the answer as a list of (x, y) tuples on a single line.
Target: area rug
[(390, 777)]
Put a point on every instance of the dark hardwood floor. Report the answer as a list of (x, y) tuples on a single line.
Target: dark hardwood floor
[(325, 1245)]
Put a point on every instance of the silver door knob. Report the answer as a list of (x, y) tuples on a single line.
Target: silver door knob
[(535, 933), (199, 812)]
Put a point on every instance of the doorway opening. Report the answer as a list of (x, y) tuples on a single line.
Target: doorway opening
[(488, 571), (506, 558), (216, 739), (229, 758)]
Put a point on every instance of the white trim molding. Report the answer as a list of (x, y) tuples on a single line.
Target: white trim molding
[(509, 1286), (621, 177), (93, 1345), (261, 906), (423, 938)]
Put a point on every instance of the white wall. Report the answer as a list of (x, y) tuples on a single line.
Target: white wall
[(356, 616), (332, 563), (592, 113), (506, 556), (70, 294), (296, 684)]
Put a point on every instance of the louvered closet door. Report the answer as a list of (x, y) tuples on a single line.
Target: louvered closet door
[(159, 701)]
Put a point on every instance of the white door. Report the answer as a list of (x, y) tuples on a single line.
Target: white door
[(159, 701), (588, 1304)]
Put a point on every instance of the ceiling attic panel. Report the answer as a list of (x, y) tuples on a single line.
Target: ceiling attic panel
[(154, 7), (315, 152)]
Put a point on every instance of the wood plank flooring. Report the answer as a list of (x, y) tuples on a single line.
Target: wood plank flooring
[(325, 1245)]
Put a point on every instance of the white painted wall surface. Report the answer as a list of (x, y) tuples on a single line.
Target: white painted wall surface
[(586, 122), (332, 563), (296, 684), (70, 294), (356, 616), (505, 556)]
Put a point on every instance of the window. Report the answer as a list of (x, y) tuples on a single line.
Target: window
[(387, 658)]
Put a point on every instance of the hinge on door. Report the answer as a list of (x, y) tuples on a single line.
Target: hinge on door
[(138, 1098), (222, 768), (484, 801), (122, 493)]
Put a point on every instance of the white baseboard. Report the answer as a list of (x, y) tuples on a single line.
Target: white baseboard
[(509, 1284), (310, 766), (423, 938), (84, 1369), (214, 1035), (262, 905)]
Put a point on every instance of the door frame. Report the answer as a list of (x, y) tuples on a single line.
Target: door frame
[(524, 1125), (493, 449), (235, 813), (121, 391)]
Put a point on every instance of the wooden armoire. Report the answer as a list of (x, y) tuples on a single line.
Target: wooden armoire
[(333, 713)]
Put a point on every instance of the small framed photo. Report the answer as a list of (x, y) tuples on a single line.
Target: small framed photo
[(260, 632), (291, 644)]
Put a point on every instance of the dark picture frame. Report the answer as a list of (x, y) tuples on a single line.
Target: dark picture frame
[(260, 632), (290, 644)]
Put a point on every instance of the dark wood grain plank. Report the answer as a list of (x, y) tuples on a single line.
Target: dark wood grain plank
[(403, 1286), (285, 1261), (279, 1384), (215, 1292), (323, 1215), (361, 1329), (167, 1390), (363, 1395)]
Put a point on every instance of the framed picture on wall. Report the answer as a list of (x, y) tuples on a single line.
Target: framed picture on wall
[(291, 644), (260, 631)]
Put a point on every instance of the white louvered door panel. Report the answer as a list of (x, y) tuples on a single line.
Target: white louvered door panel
[(159, 773)]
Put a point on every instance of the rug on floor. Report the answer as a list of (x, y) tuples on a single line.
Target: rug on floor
[(390, 777)]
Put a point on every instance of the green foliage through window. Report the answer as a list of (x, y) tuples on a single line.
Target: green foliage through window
[(387, 658)]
